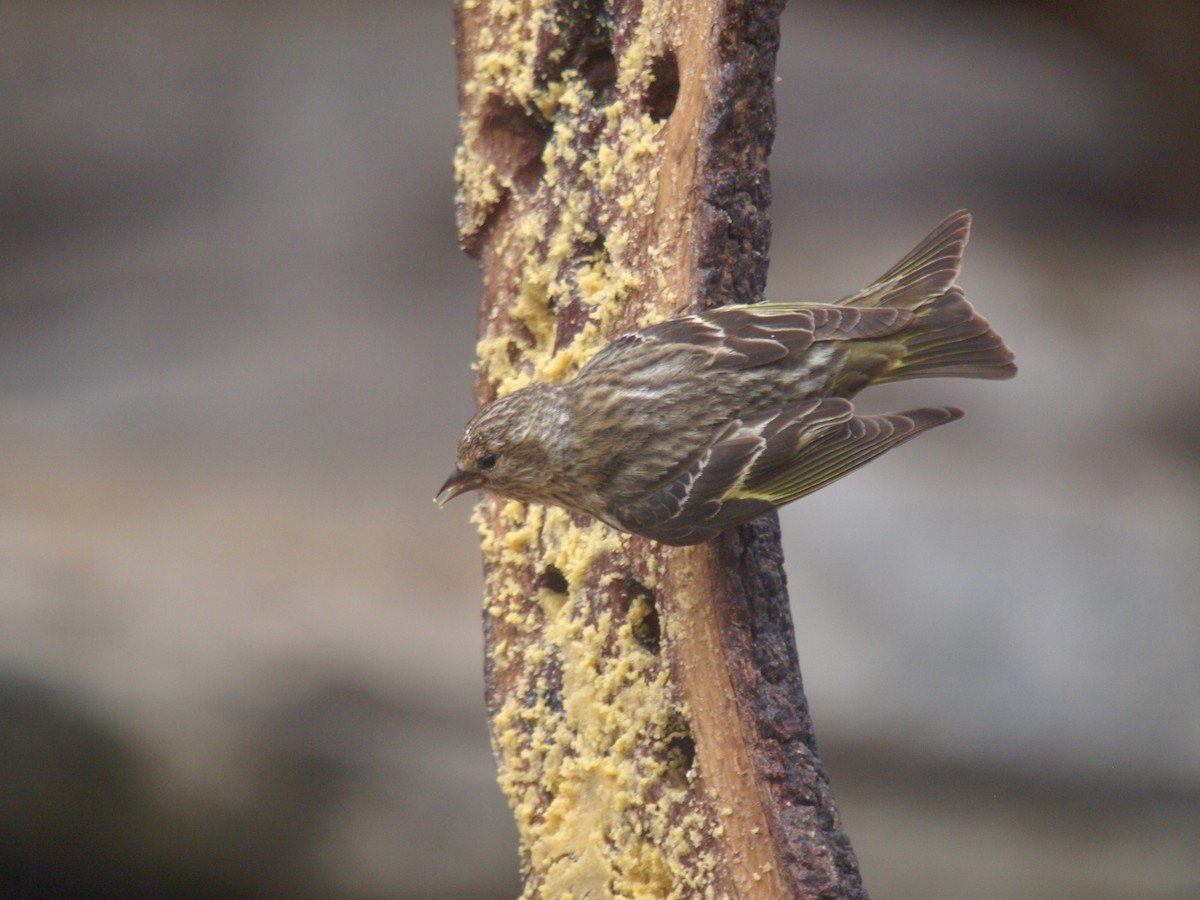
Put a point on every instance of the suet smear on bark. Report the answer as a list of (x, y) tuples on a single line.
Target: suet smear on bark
[(585, 721), (585, 131)]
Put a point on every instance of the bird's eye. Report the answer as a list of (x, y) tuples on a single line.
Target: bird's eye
[(488, 461)]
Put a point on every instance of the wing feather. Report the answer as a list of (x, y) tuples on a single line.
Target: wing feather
[(827, 455), (753, 335), (763, 462)]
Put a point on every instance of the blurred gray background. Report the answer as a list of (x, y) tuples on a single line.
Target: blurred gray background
[(239, 647)]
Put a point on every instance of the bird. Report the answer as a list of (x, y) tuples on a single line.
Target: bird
[(702, 422)]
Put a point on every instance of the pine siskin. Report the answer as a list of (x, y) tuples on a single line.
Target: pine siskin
[(702, 422)]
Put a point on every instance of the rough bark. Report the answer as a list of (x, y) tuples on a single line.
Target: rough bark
[(646, 706)]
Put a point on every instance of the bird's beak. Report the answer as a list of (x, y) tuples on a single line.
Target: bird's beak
[(459, 482)]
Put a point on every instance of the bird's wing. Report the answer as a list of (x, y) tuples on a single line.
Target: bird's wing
[(761, 463), (747, 336)]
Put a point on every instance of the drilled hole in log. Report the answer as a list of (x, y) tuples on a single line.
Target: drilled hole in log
[(640, 606), (552, 579), (680, 751), (575, 29), (664, 87), (513, 140), (595, 250), (643, 621)]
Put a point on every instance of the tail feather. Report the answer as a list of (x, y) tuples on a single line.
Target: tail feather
[(947, 337), (927, 270)]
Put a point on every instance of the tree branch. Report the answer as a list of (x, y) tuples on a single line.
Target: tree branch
[(646, 705)]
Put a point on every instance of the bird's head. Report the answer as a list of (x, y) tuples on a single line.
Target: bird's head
[(508, 447)]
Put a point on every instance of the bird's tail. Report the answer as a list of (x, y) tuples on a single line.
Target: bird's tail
[(946, 336)]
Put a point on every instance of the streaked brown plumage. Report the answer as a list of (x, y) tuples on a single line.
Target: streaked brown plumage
[(699, 423)]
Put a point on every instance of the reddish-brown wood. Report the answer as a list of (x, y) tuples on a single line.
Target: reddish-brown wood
[(646, 705)]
